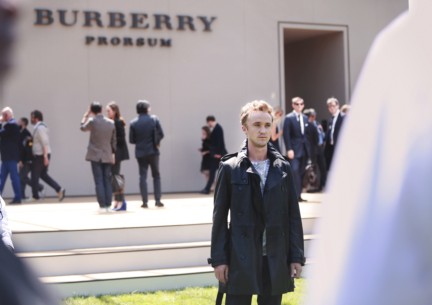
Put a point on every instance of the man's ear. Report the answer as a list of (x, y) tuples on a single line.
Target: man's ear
[(244, 128)]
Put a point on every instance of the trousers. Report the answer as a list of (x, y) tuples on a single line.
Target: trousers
[(143, 163)]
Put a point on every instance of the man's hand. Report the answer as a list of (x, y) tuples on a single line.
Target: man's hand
[(290, 154), (296, 270), (221, 273), (46, 160)]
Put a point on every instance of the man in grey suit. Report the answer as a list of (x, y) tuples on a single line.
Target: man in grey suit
[(100, 151), (146, 133)]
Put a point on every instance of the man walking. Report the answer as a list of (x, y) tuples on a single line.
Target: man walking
[(41, 157), (261, 249), (296, 142), (217, 150), (10, 153), (100, 151), (146, 133), (26, 157)]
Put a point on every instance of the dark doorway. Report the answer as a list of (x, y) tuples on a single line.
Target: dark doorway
[(315, 65)]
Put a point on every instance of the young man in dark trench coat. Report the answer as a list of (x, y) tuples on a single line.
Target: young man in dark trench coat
[(261, 250)]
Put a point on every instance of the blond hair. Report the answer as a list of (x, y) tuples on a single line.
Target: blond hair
[(257, 105)]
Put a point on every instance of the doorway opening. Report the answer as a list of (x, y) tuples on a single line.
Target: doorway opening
[(314, 65)]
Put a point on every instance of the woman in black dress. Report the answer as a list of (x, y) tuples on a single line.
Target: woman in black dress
[(122, 153)]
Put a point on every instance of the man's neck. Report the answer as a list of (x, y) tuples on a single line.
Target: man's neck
[(257, 153)]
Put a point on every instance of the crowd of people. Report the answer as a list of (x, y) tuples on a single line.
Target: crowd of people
[(107, 148), (22, 153), (308, 145)]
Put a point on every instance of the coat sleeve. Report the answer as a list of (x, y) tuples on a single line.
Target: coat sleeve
[(159, 131), (132, 138), (220, 231), (286, 134), (87, 125), (295, 223), (114, 140)]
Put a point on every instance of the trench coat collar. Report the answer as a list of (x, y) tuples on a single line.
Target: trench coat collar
[(276, 172)]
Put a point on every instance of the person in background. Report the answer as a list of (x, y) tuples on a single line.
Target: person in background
[(277, 130), (10, 153), (205, 151), (100, 152), (258, 249), (41, 157), (296, 142), (146, 133), (26, 158), (315, 134), (335, 125), (121, 153), (217, 150)]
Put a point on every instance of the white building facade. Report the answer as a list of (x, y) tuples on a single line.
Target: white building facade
[(189, 58)]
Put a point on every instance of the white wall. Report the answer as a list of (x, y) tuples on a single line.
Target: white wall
[(201, 73)]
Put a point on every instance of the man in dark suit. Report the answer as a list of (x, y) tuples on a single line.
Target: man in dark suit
[(315, 134), (333, 130), (146, 133), (10, 153), (217, 150), (296, 143), (100, 151)]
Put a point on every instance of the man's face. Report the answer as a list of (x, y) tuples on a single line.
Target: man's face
[(298, 106), (5, 116), (333, 108), (211, 124), (258, 128), (33, 120)]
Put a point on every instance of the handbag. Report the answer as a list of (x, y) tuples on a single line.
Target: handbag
[(118, 183)]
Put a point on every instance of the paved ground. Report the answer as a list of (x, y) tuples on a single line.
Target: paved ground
[(76, 213)]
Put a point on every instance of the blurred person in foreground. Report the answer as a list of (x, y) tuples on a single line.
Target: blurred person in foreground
[(18, 285), (261, 250), (375, 244)]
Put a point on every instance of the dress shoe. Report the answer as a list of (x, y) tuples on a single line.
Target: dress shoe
[(144, 205), (122, 207), (61, 194), (159, 204), (42, 192), (204, 191), (15, 202), (302, 200)]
